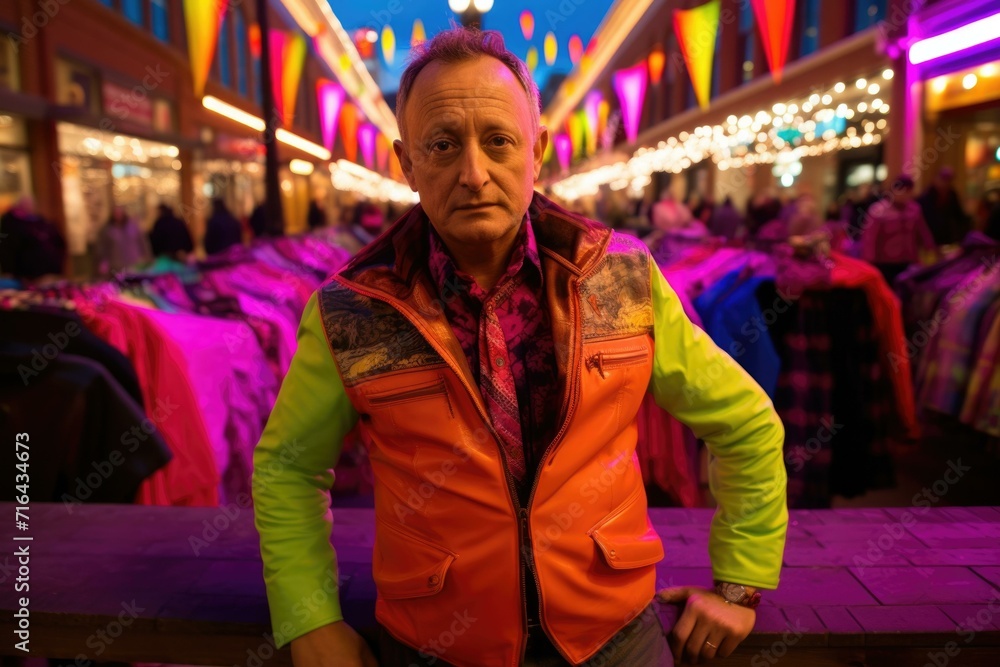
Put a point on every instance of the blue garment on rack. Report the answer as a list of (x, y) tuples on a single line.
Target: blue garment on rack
[(732, 317)]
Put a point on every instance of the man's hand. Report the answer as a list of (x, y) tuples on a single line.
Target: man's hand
[(707, 620), (334, 645)]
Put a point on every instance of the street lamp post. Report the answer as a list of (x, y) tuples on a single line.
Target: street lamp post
[(471, 11)]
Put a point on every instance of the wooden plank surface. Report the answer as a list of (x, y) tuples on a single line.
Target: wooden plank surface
[(184, 585)]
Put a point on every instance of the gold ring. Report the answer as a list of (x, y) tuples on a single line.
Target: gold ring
[(711, 644)]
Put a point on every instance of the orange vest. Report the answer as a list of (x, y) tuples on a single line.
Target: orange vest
[(450, 530)]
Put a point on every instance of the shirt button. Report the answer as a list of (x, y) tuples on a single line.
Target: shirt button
[(499, 362), (433, 580), (612, 553)]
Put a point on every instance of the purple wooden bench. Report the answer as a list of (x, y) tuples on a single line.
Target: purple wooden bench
[(179, 585)]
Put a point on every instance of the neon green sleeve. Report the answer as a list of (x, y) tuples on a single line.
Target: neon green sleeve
[(707, 390), (293, 472)]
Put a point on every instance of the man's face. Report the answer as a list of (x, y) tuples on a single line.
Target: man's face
[(471, 151), (902, 196)]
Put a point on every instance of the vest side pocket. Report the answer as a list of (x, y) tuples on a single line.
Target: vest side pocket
[(405, 565), (626, 537)]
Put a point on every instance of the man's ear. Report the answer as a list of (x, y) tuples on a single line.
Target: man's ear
[(405, 163), (538, 151)]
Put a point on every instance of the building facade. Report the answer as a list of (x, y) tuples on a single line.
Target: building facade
[(98, 108), (844, 115)]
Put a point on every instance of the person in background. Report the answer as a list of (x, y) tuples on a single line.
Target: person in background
[(30, 245), (223, 229), (894, 231), (121, 244), (258, 221), (943, 211), (803, 216), (702, 208), (726, 220), (993, 220), (833, 211), (170, 236), (669, 214), (762, 209), (316, 217)]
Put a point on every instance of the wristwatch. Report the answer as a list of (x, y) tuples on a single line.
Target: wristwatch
[(737, 594)]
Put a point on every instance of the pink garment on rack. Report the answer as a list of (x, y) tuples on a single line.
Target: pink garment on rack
[(191, 478), (233, 384), (664, 456), (667, 450)]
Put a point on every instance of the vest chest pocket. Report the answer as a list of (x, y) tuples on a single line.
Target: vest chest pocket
[(606, 362), (407, 405)]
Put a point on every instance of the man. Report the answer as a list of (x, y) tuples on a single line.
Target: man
[(31, 247), (894, 231), (170, 236), (496, 349), (943, 211)]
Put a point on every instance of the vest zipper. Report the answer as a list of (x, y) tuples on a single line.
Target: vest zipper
[(572, 398), (523, 537), (605, 361), (437, 388)]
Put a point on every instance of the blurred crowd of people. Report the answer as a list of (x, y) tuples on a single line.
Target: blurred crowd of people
[(886, 224), (32, 247)]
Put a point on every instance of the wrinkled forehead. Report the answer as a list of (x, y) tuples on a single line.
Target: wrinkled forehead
[(481, 86)]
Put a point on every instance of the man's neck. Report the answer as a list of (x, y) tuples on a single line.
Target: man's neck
[(486, 263)]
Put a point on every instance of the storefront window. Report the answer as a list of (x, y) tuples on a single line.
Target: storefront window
[(242, 46), (10, 76), (15, 162), (133, 11), (223, 52), (747, 39), (100, 170), (810, 27), (258, 91), (867, 13), (160, 19)]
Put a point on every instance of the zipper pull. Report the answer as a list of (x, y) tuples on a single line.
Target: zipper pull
[(596, 361), (525, 538)]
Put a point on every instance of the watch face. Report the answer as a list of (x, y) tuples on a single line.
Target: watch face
[(733, 592)]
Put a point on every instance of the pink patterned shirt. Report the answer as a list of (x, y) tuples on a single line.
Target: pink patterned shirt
[(529, 368)]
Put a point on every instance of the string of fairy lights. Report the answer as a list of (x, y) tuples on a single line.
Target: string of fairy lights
[(846, 115)]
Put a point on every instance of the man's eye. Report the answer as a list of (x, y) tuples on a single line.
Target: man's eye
[(440, 145), (500, 141)]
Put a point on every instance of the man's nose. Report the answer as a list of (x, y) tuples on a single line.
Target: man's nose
[(474, 172)]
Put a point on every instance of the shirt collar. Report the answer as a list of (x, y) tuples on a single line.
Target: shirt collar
[(442, 265)]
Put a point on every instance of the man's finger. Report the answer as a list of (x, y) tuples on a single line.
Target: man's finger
[(695, 645), (679, 635), (674, 595)]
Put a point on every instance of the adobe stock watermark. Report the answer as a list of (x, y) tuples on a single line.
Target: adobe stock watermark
[(435, 649), (228, 513), (302, 611), (802, 454), (34, 22), (779, 648), (893, 532), (40, 359), (967, 631), (944, 313), (130, 440), (100, 641), (417, 497)]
